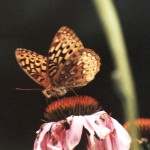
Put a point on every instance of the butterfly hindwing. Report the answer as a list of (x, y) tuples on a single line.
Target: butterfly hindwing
[(34, 65), (79, 69)]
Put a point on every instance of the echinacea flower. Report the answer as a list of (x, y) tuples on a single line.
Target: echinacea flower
[(143, 127), (80, 130)]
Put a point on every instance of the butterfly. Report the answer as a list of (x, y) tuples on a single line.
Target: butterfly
[(68, 65)]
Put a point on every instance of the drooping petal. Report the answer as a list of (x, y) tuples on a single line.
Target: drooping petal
[(73, 135), (40, 141), (123, 138), (94, 125)]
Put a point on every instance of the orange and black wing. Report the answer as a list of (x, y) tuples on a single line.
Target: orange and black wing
[(69, 63), (64, 45), (34, 65)]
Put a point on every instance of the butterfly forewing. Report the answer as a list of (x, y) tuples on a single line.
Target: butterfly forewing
[(34, 65), (64, 45)]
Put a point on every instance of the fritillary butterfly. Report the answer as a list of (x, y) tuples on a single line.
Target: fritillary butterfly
[(69, 65)]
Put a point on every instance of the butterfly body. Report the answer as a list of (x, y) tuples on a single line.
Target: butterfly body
[(49, 92), (69, 65)]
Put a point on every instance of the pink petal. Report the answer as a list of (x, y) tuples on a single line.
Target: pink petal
[(94, 125), (40, 142), (73, 135), (123, 138)]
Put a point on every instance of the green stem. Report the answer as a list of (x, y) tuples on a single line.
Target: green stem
[(122, 74)]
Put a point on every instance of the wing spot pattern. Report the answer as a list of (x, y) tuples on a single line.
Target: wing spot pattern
[(93, 58), (72, 73), (66, 82), (63, 72), (83, 72), (67, 62), (89, 54)]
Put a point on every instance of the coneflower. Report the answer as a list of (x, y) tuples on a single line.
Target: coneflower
[(143, 126), (76, 123)]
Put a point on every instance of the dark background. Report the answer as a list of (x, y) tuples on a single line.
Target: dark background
[(32, 24)]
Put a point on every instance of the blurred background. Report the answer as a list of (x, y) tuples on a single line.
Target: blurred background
[(32, 25)]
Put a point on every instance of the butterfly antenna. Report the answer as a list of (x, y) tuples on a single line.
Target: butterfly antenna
[(21, 89), (73, 91), (47, 100), (57, 96), (44, 120)]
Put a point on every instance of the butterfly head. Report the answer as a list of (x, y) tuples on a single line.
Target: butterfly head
[(54, 92)]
